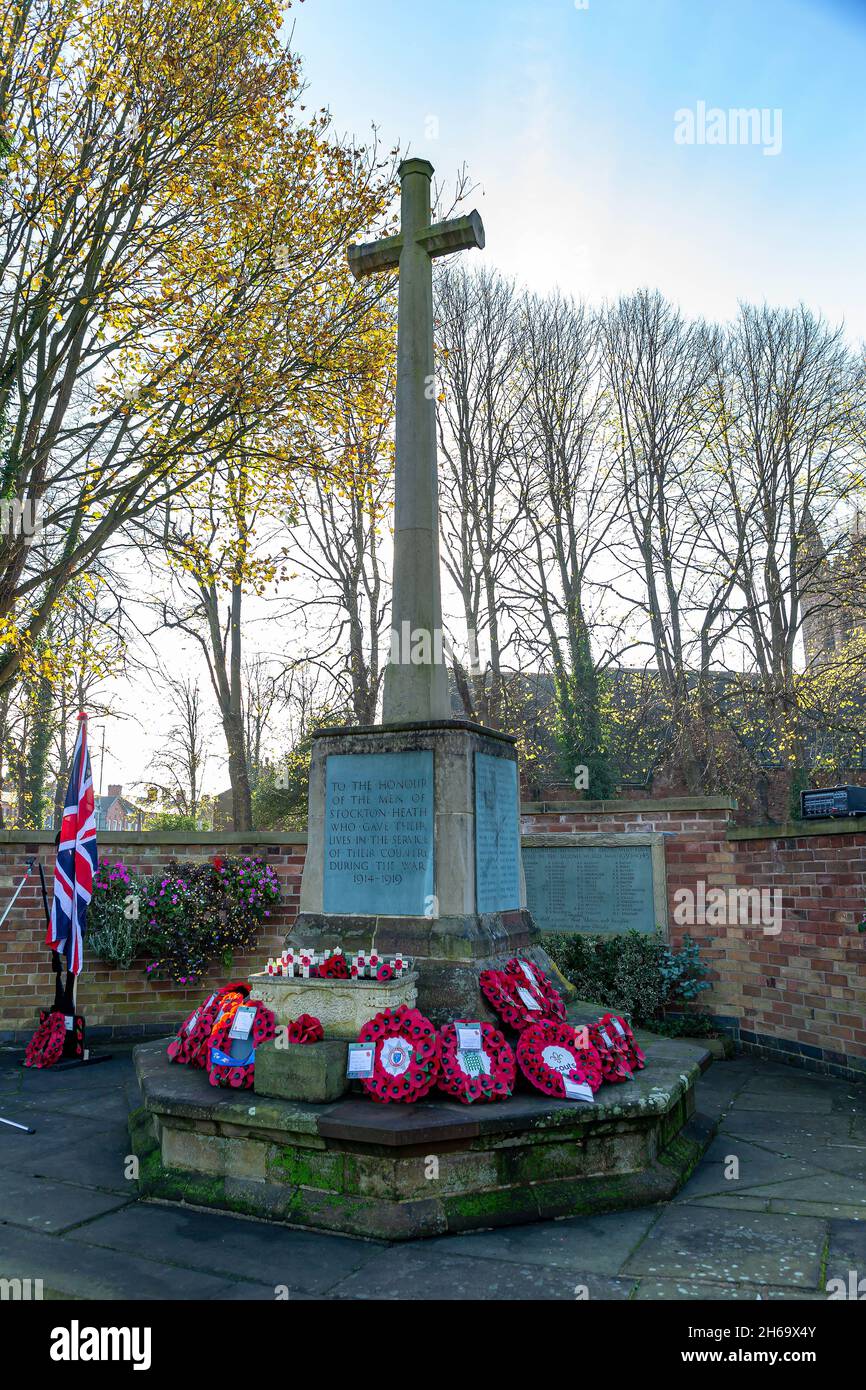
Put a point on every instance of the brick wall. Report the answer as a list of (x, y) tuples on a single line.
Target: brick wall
[(803, 990), (800, 992), (122, 1002)]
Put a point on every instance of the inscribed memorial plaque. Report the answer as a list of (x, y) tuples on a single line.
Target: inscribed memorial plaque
[(378, 851), (590, 888), (497, 834)]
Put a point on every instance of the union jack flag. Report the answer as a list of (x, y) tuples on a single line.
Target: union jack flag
[(76, 860)]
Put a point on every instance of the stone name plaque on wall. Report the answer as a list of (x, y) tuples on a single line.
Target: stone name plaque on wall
[(595, 888), (378, 834), (497, 834)]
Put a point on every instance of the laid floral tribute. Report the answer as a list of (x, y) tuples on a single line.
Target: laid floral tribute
[(190, 1046), (535, 976), (521, 996), (241, 1027), (620, 1029), (613, 1054), (305, 1029), (555, 1057), (45, 1047), (304, 963), (469, 1073), (406, 1055)]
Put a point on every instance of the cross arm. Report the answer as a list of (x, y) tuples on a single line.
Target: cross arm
[(459, 234), (370, 256), (441, 239)]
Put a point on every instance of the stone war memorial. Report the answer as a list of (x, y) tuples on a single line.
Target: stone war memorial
[(414, 971)]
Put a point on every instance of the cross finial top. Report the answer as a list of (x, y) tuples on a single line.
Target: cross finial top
[(440, 239)]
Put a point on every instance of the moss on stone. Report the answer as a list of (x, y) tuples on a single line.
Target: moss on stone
[(307, 1168)]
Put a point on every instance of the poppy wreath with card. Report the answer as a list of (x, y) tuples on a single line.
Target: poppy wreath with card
[(621, 1030), (528, 972), (238, 1072), (406, 1055), (46, 1045), (509, 995), (305, 1029), (549, 1051), (190, 1047), (614, 1057), (485, 1075)]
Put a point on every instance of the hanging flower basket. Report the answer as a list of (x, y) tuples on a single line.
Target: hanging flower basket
[(547, 1052), (528, 972), (406, 1062), (470, 1076)]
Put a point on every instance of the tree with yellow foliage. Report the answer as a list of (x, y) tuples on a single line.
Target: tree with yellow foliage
[(174, 284)]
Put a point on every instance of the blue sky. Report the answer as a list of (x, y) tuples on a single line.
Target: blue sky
[(565, 117)]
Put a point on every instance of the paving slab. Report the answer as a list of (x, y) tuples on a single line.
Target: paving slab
[(53, 1130), (70, 1270), (677, 1290), (799, 1136), (81, 1155), (846, 1257), (594, 1244), (733, 1202), (756, 1165), (782, 1101), (819, 1187), (722, 1246), (413, 1274), (41, 1205), (719, 1084), (277, 1256)]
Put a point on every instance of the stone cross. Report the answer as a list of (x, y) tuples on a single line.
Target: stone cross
[(416, 682)]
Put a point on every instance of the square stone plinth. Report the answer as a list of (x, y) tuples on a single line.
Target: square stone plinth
[(302, 1071)]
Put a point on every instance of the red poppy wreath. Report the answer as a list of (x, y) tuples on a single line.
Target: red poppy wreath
[(517, 1002), (46, 1045), (470, 1076), (548, 1052), (528, 972), (614, 1057), (619, 1029), (406, 1061), (238, 1072), (191, 1044)]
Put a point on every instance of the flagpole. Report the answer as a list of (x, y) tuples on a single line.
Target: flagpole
[(82, 719)]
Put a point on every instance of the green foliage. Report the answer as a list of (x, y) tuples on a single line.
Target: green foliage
[(581, 703), (684, 1026), (115, 928), (198, 913), (280, 797), (636, 973), (185, 916), (170, 820)]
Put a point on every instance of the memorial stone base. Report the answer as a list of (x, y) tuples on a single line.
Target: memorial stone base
[(398, 1172), (414, 845)]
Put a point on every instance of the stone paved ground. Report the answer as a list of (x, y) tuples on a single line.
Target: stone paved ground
[(794, 1218)]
